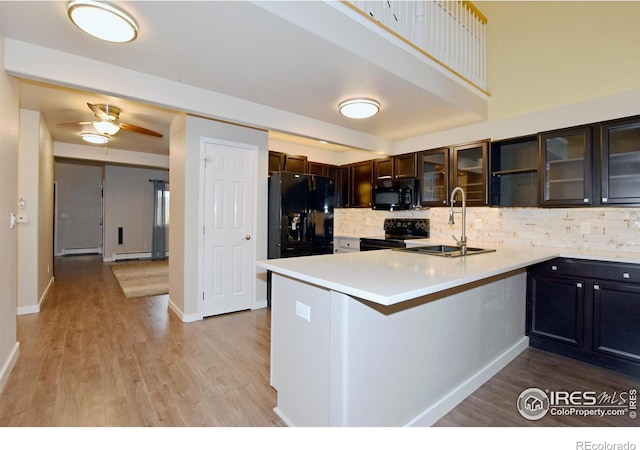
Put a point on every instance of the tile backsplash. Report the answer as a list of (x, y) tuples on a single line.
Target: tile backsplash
[(583, 228)]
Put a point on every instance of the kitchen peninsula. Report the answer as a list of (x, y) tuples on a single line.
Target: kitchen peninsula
[(390, 338)]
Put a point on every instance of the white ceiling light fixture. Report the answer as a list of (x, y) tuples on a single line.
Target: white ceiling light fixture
[(106, 127), (95, 138), (103, 20), (359, 108)]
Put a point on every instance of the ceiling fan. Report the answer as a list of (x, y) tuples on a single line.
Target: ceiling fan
[(109, 123)]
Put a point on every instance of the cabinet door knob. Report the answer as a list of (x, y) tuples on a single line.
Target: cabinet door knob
[(554, 267), (578, 285), (596, 287)]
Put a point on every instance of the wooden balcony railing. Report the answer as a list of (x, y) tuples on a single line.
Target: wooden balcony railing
[(451, 33)]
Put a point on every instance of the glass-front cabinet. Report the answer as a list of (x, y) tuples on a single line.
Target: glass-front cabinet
[(565, 157), (620, 162), (469, 171), (433, 168)]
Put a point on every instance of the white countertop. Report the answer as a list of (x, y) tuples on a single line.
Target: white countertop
[(388, 277)]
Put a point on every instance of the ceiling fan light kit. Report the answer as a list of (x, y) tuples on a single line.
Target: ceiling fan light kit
[(359, 108), (103, 20), (106, 127), (95, 138)]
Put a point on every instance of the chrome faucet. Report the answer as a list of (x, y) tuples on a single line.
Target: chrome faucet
[(462, 243)]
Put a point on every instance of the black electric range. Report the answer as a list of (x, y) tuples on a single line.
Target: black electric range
[(396, 232)]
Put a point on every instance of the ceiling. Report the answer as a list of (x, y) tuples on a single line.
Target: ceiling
[(240, 49)]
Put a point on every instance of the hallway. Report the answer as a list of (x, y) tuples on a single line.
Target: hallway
[(92, 357)]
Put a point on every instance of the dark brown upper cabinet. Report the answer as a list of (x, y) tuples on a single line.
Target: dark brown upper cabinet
[(469, 171), (395, 167), (360, 181), (620, 162), (315, 168), (405, 166), (514, 172), (433, 173), (383, 169), (295, 163), (566, 174), (276, 161), (343, 185)]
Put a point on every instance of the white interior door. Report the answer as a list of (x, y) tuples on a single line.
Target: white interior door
[(229, 248)]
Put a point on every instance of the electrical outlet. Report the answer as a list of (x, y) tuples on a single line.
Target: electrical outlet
[(303, 311)]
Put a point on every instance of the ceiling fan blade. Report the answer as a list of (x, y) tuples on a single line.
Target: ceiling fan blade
[(72, 124), (100, 114), (137, 129)]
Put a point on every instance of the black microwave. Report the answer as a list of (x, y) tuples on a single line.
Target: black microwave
[(394, 196)]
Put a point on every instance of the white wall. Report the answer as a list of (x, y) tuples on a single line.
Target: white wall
[(546, 54), (9, 125), (35, 236), (186, 204), (79, 207), (128, 203)]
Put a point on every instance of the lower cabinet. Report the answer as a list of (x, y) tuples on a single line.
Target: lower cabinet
[(556, 309), (587, 310)]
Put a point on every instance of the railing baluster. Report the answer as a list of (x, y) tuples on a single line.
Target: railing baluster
[(450, 31)]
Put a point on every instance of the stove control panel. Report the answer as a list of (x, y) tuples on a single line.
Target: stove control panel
[(407, 227)]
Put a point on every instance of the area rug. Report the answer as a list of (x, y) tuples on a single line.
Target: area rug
[(142, 278)]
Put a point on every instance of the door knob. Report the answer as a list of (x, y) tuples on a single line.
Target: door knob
[(247, 237)]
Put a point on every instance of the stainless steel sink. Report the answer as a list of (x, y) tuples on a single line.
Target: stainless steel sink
[(443, 250)]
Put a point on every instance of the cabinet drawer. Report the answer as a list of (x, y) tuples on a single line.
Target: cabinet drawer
[(592, 269)]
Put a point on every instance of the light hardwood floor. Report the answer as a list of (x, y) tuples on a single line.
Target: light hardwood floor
[(92, 357)]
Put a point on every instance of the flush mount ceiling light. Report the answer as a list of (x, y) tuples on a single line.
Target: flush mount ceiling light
[(359, 108), (102, 20), (95, 138), (106, 127)]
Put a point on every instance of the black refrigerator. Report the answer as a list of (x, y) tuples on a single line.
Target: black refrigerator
[(300, 214)]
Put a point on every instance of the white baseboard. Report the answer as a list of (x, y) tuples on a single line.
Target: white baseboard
[(136, 255), (34, 309), (260, 304), (186, 318), (46, 291), (284, 418), (8, 365), (81, 251), (452, 399), (132, 255)]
